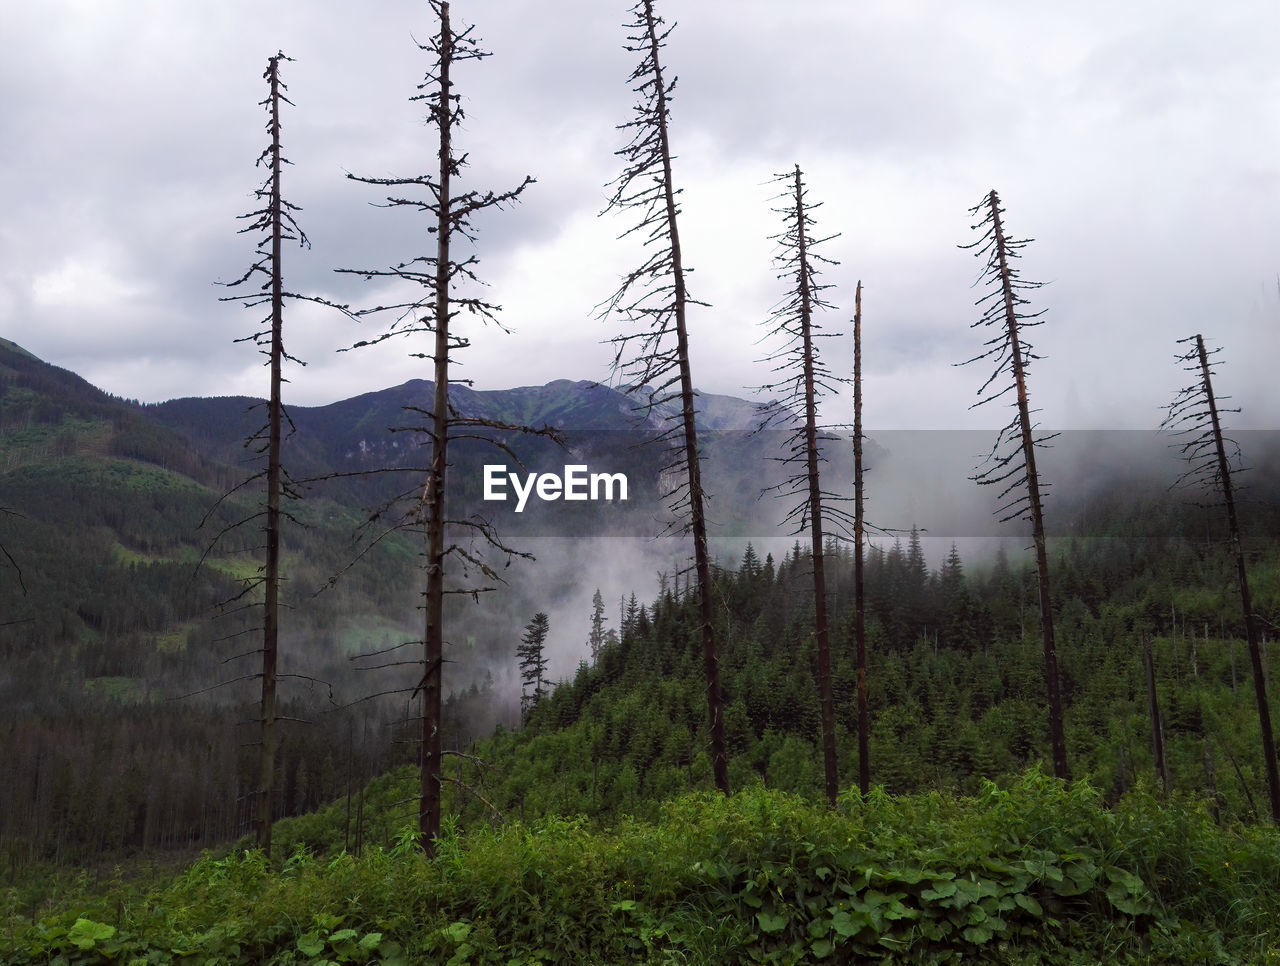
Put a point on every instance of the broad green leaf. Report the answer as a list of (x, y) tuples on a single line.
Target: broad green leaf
[(1126, 879), (966, 893), (1127, 892), (458, 932), (1029, 903), (1043, 870), (770, 922), (909, 876), (978, 934), (848, 925), (822, 948), (371, 941), (86, 933), (897, 910), (935, 930), (1083, 876), (942, 889), (310, 944)]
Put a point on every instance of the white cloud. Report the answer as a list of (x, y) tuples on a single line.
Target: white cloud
[(85, 282)]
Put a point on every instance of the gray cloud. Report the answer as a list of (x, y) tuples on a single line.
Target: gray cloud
[(1137, 147)]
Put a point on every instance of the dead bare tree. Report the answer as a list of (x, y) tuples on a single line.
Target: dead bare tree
[(653, 358), (1194, 413), (804, 380), (859, 535), (443, 277), (1012, 461), (276, 221)]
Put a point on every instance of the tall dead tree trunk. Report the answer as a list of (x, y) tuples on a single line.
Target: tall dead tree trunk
[(815, 502), (805, 381), (433, 495), (271, 621), (1195, 410), (655, 295), (433, 314), (277, 222), (1014, 454), (859, 531)]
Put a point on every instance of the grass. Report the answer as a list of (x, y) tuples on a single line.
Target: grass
[(1036, 872)]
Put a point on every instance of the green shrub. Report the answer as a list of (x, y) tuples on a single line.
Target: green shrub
[(1036, 872)]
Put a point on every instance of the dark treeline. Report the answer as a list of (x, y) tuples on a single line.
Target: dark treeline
[(121, 773), (96, 783), (115, 618)]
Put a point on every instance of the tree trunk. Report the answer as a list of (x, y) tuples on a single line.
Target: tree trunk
[(434, 493), (702, 557), (270, 636), (1157, 726), (1250, 625), (1057, 738), (826, 701), (859, 627)]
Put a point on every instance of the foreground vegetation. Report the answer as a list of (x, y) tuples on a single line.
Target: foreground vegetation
[(1034, 872)]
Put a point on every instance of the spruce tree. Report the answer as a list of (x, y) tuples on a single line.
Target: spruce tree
[(596, 638), (533, 663)]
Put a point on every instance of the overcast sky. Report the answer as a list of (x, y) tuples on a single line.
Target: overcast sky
[(1138, 143)]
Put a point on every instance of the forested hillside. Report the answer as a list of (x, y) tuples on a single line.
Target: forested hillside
[(122, 661), (112, 623), (955, 683), (593, 834), (114, 631)]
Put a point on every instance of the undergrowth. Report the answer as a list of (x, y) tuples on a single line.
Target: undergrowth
[(1037, 872)]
